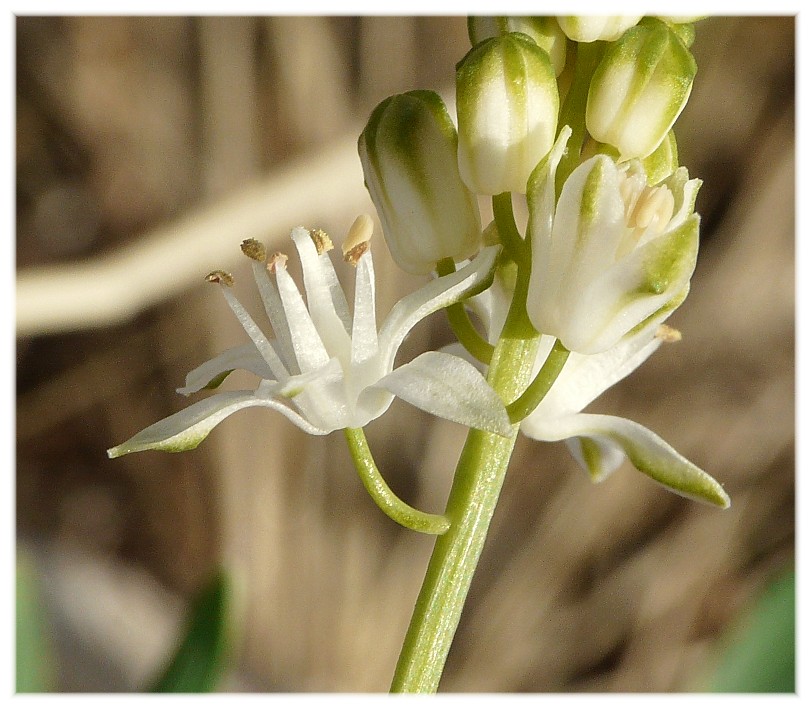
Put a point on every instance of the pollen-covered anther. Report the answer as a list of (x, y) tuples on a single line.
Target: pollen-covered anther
[(648, 207), (357, 240), (667, 334), (221, 277), (254, 249), (321, 240), (277, 260)]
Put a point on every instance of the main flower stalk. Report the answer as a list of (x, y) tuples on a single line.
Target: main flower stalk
[(476, 487)]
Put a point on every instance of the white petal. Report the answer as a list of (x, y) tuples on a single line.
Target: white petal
[(437, 294), (188, 428), (213, 372), (648, 452), (450, 388), (364, 328), (307, 344), (586, 376)]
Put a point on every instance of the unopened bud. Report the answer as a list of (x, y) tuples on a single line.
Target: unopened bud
[(594, 28), (543, 30), (507, 102), (408, 152), (639, 89), (663, 161)]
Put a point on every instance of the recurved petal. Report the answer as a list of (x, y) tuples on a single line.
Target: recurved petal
[(586, 376), (214, 371), (648, 453), (450, 388), (186, 429)]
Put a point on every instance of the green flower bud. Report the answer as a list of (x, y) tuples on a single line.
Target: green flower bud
[(507, 103), (594, 27), (639, 89), (543, 30), (663, 161), (408, 151)]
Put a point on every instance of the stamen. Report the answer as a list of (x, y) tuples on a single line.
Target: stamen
[(221, 277), (667, 334), (356, 242), (321, 240), (254, 249), (277, 260)]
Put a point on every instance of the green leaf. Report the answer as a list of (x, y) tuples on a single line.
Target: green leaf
[(760, 653), (34, 655), (200, 659)]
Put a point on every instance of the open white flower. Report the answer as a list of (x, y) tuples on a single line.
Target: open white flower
[(600, 443), (612, 254), (327, 370)]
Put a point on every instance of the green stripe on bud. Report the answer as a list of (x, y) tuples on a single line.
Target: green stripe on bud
[(639, 89), (408, 151), (543, 30), (594, 28), (507, 102)]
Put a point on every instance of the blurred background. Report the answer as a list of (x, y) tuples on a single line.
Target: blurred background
[(148, 148)]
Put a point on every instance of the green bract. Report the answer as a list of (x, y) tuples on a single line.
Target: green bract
[(597, 27), (543, 30), (639, 89), (408, 151), (614, 253), (663, 161), (507, 106)]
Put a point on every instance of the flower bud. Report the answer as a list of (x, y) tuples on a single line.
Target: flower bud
[(408, 151), (614, 256), (597, 27), (543, 30), (639, 89), (662, 161), (507, 103)]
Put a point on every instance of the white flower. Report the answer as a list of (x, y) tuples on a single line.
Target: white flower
[(326, 369), (600, 443), (612, 254)]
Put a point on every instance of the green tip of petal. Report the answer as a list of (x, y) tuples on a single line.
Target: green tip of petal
[(141, 443)]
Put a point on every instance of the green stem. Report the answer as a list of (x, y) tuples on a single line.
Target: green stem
[(507, 229), (382, 494), (476, 486), (460, 323), (537, 389), (574, 107)]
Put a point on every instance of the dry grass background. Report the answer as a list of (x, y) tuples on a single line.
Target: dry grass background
[(125, 124)]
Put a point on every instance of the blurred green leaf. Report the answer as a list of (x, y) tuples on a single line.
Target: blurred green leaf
[(34, 656), (760, 654), (199, 661)]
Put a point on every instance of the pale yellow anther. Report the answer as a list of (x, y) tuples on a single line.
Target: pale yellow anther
[(221, 277), (277, 260), (360, 232), (254, 249), (667, 334), (655, 206), (321, 240)]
